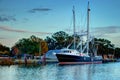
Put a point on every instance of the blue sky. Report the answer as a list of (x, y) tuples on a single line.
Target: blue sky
[(23, 18)]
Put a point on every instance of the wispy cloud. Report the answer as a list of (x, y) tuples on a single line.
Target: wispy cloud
[(39, 10), (2, 38), (111, 33), (4, 28), (9, 29), (4, 18), (108, 29)]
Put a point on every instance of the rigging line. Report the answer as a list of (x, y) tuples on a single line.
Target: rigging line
[(71, 23), (83, 19), (69, 29)]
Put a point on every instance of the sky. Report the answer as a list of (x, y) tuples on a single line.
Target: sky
[(23, 18)]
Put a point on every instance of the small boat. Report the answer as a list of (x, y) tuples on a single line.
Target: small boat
[(50, 56), (84, 56)]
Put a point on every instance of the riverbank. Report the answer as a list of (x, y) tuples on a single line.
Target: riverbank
[(12, 61), (6, 61)]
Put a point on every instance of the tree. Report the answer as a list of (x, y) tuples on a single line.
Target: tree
[(4, 50), (32, 45), (117, 52), (59, 40), (51, 43), (104, 46)]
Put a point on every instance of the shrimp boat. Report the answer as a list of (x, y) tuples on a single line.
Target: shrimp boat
[(85, 55)]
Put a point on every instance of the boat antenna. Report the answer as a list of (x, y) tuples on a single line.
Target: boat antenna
[(88, 12), (74, 25)]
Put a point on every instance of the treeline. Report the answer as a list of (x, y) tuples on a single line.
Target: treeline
[(32, 45), (4, 50), (37, 46), (106, 47)]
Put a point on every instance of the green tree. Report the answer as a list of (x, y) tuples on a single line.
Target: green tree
[(51, 43), (59, 40), (32, 45), (104, 46), (117, 52), (4, 50)]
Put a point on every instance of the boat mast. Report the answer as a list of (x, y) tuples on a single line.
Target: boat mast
[(88, 12), (74, 26)]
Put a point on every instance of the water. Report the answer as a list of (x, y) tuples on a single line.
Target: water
[(109, 71)]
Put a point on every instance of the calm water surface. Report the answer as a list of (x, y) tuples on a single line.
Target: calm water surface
[(109, 71)]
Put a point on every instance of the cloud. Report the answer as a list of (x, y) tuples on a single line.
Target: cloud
[(111, 33), (39, 10), (2, 38), (108, 29), (9, 29), (4, 18)]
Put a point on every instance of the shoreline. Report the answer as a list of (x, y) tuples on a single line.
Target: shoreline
[(11, 61)]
